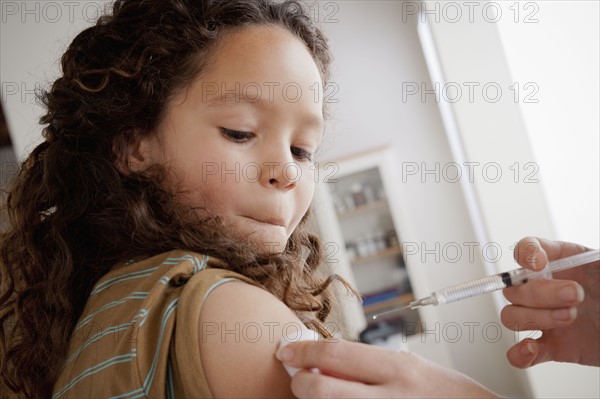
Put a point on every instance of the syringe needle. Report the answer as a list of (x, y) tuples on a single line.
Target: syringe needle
[(392, 311), (413, 305)]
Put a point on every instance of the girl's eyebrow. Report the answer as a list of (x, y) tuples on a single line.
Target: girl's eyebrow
[(314, 122), (224, 99)]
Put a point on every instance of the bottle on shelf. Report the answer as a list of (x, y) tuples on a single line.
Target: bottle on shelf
[(369, 193), (392, 239), (349, 202), (339, 204), (380, 242), (371, 245), (380, 192), (362, 247), (358, 195), (351, 251)]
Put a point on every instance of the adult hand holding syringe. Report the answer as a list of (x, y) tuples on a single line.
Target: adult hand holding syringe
[(566, 309), (546, 302), (499, 281)]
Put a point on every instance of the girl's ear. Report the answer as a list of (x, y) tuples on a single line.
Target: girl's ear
[(134, 151)]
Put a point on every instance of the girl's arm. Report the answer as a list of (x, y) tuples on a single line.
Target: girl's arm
[(240, 327)]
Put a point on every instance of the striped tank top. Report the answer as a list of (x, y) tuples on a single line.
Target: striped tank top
[(138, 334)]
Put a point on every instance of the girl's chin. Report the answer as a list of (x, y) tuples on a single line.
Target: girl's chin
[(262, 237), (263, 241), (268, 245)]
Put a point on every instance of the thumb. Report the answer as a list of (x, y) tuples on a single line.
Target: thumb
[(529, 352)]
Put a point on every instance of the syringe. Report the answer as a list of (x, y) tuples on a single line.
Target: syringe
[(498, 281)]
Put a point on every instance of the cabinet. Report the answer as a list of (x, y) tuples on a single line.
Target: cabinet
[(356, 210)]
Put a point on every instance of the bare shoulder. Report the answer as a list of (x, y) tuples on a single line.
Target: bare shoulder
[(240, 326)]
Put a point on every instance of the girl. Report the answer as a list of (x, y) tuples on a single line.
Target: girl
[(178, 159), (158, 243)]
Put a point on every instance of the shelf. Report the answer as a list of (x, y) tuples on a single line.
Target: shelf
[(396, 250), (363, 208), (389, 303)]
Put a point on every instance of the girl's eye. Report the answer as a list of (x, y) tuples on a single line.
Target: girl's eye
[(236, 136), (242, 137), (301, 154)]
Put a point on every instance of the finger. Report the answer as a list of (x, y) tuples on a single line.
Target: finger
[(534, 252), (357, 361), (547, 294), (306, 384), (519, 318), (528, 353), (530, 253)]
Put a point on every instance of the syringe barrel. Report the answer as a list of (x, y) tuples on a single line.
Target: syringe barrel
[(470, 289)]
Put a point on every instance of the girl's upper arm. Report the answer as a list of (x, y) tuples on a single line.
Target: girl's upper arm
[(239, 328)]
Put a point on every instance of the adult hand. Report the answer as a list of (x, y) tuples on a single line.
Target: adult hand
[(566, 309), (355, 370)]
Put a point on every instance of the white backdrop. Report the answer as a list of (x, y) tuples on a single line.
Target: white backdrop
[(560, 54)]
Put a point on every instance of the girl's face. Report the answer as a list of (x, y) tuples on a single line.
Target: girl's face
[(241, 137)]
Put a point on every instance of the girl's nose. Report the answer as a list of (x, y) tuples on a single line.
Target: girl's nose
[(282, 183), (282, 173)]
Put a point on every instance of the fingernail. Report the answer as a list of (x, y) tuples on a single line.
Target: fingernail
[(580, 293), (568, 294), (564, 314), (285, 354)]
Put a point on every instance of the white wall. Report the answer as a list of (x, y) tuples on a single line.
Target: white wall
[(33, 36), (559, 53)]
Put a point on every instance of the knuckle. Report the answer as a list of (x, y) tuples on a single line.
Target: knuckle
[(527, 250), (320, 388), (331, 352), (535, 294), (398, 365), (300, 385), (302, 353), (509, 293), (396, 371), (307, 353)]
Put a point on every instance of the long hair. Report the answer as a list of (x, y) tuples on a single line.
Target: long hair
[(73, 215)]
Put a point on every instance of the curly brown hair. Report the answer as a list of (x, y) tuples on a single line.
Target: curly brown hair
[(74, 215)]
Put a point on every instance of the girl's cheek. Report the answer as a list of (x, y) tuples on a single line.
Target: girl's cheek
[(308, 174)]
